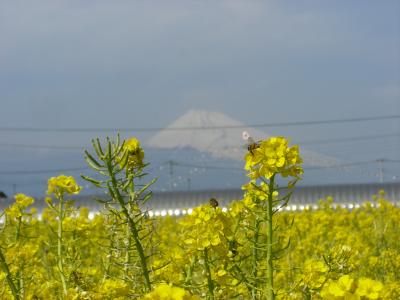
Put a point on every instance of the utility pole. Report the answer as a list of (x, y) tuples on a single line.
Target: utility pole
[(381, 171), (189, 182), (171, 165), (14, 186)]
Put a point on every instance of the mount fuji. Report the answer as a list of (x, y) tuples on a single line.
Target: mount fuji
[(218, 135)]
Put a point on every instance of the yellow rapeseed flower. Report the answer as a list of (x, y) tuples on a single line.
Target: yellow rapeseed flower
[(22, 201), (62, 184), (340, 288), (168, 292), (274, 156), (256, 193), (205, 227), (114, 289), (368, 288), (314, 273), (135, 153)]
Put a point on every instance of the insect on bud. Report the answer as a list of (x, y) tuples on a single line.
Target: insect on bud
[(213, 202)]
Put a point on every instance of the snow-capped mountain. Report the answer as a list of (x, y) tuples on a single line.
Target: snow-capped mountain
[(209, 134), (218, 135)]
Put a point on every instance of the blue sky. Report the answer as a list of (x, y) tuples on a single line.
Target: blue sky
[(145, 63)]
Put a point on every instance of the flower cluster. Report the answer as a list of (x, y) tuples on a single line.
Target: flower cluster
[(348, 288), (134, 153), (62, 184), (168, 292), (254, 194), (114, 289), (323, 252), (22, 201), (274, 156), (319, 263), (207, 226)]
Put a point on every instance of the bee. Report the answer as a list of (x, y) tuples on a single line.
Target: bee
[(232, 245), (213, 202), (251, 143), (76, 277)]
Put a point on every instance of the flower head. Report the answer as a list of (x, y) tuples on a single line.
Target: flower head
[(368, 288), (114, 289), (205, 227), (134, 152), (340, 288), (274, 156), (62, 184), (168, 292), (22, 201)]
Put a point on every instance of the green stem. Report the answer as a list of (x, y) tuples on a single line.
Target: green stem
[(244, 279), (132, 227), (270, 267), (127, 254), (210, 282), (18, 277), (189, 273), (18, 230), (255, 258), (10, 282), (108, 262), (59, 245)]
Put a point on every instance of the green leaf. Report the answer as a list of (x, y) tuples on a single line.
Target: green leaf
[(97, 147), (109, 149), (94, 181), (93, 160)]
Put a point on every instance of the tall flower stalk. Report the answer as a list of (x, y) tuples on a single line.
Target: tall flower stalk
[(16, 217), (59, 186), (10, 281), (264, 162), (121, 163)]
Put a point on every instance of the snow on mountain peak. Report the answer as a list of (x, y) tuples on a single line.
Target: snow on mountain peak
[(217, 134), (208, 131)]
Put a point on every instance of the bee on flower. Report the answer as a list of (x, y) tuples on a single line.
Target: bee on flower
[(213, 202), (133, 154), (273, 156), (251, 143)]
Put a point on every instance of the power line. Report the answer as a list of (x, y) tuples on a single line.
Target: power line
[(360, 163), (31, 183), (38, 146), (349, 139), (199, 166), (186, 165), (143, 129), (392, 148), (391, 160), (305, 168), (306, 142), (42, 171)]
